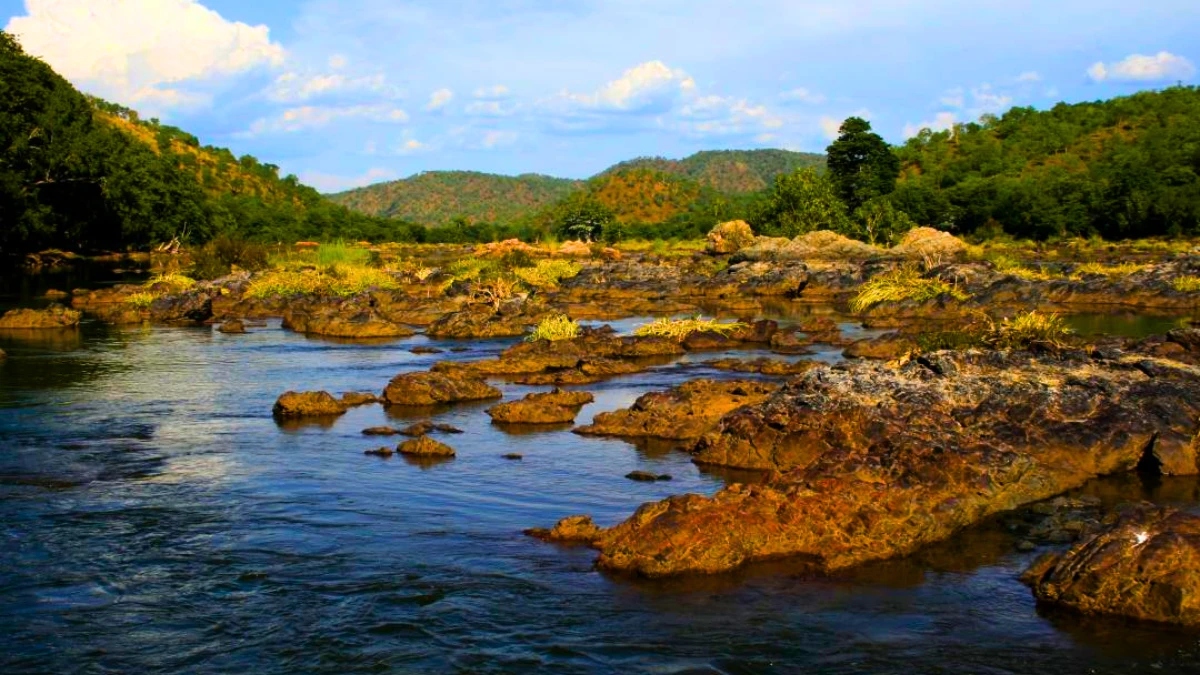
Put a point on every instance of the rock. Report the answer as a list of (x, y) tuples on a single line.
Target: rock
[(426, 350), (1145, 565), (887, 346), (424, 446), (54, 316), (380, 431), (763, 365), (3, 355), (380, 452), (706, 340), (587, 371), (555, 407), (426, 427), (432, 388), (513, 456), (572, 529), (730, 237), (350, 321), (877, 460), (686, 411), (188, 307), (308, 404), (759, 332), (354, 399), (479, 322), (646, 476), (232, 326), (55, 294)]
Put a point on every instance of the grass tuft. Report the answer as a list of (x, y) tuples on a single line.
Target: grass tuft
[(555, 328), (1025, 331), (548, 273), (1186, 284), (336, 279), (1119, 270), (902, 284), (681, 328)]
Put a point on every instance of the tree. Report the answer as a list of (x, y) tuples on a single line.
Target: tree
[(582, 216), (878, 221), (801, 202), (861, 164)]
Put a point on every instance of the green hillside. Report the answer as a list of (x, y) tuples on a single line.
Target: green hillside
[(728, 171), (437, 197)]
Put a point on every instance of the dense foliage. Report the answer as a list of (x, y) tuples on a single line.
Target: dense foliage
[(80, 173), (728, 171), (861, 164)]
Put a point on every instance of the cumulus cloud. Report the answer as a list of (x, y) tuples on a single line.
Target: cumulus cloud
[(494, 92), (332, 183), (1140, 68), (439, 99), (315, 117), (940, 122), (143, 51), (292, 87), (643, 86), (802, 95)]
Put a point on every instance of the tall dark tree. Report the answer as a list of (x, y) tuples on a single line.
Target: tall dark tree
[(861, 164)]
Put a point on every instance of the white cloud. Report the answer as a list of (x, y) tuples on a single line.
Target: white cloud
[(802, 95), (138, 51), (411, 146), (314, 117), (1029, 76), (940, 122), (331, 183), (646, 85), (292, 87), (439, 99), (494, 139), (487, 109), (953, 98), (494, 92), (988, 100), (1141, 68)]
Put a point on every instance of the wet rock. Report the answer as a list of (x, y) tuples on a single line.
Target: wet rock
[(54, 316), (646, 476), (232, 326), (1145, 565), (354, 399), (347, 320), (480, 322), (555, 407), (513, 456), (706, 340), (569, 530), (432, 388), (763, 365), (424, 446), (426, 350), (759, 332), (380, 431), (426, 427), (877, 460), (308, 404), (587, 371), (686, 411), (887, 346), (189, 307), (380, 452), (118, 314)]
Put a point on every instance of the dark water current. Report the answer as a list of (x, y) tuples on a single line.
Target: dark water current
[(154, 518)]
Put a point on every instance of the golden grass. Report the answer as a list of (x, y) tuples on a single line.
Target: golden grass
[(1118, 270), (339, 280), (174, 281), (555, 328), (548, 273), (1186, 284), (141, 300), (901, 284), (1032, 329), (681, 328)]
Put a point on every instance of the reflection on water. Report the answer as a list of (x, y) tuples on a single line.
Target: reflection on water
[(154, 517)]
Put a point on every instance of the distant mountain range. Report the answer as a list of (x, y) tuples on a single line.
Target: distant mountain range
[(661, 187)]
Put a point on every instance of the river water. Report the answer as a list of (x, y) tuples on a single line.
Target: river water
[(155, 518)]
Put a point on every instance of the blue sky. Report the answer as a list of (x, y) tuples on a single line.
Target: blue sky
[(347, 92)]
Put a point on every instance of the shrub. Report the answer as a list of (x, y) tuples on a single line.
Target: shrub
[(554, 328), (681, 328), (217, 257), (1030, 330), (901, 284), (548, 273)]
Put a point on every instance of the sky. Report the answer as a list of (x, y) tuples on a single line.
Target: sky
[(344, 93)]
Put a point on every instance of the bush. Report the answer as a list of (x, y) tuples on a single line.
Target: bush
[(217, 257), (904, 283), (554, 328)]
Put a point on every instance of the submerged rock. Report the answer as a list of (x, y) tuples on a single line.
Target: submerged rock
[(877, 460), (686, 411), (424, 446), (1146, 565), (308, 404), (380, 431), (572, 529), (554, 407), (54, 316), (232, 326), (646, 476), (380, 452), (887, 346), (432, 388), (354, 399), (513, 456), (427, 427)]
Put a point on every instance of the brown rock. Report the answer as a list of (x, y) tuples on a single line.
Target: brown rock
[(1146, 565), (432, 388), (424, 446), (686, 411), (426, 350), (353, 399), (569, 530), (646, 476), (887, 346), (426, 427), (763, 365), (308, 404), (380, 452), (232, 326), (555, 407), (54, 316), (380, 431)]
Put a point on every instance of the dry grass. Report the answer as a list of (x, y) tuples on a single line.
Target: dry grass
[(905, 283), (1030, 330), (339, 280), (555, 328), (932, 247), (1187, 284), (1118, 270), (548, 273), (678, 329)]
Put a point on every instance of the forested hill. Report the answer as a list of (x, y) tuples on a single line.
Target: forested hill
[(728, 171), (1123, 168), (78, 173), (437, 197)]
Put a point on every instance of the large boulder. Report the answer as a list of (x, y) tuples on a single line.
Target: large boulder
[(309, 404), (876, 460), (432, 388), (686, 411), (194, 306), (554, 407), (54, 316), (730, 237), (424, 446), (1145, 565)]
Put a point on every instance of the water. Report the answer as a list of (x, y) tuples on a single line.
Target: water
[(154, 518)]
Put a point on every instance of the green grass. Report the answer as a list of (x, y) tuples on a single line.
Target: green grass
[(1186, 284), (338, 280), (555, 328), (1032, 329), (901, 284), (1117, 270), (681, 328), (548, 273)]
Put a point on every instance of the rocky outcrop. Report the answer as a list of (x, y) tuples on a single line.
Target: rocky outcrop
[(1145, 565), (763, 365), (54, 316), (308, 404), (343, 321), (424, 446), (877, 460), (554, 407), (686, 411), (433, 388)]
